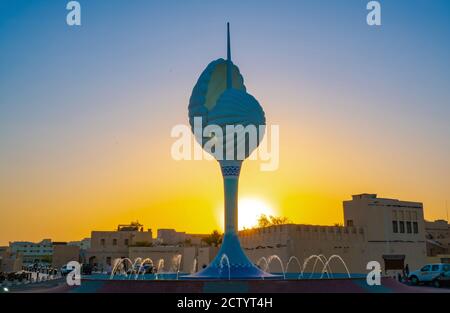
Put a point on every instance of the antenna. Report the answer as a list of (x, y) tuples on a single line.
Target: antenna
[(446, 209), (229, 66)]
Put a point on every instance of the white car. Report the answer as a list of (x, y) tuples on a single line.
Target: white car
[(428, 273)]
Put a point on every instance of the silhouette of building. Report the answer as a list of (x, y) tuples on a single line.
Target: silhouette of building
[(389, 231)]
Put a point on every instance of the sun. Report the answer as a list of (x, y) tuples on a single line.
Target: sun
[(250, 209)]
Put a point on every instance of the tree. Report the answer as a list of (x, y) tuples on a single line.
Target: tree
[(279, 220), (214, 239), (264, 221)]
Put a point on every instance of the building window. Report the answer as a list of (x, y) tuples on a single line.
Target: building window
[(126, 242), (415, 228), (102, 242), (402, 227), (349, 223), (114, 242), (408, 227), (395, 227)]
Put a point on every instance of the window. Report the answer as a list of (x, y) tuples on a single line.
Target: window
[(114, 242), (415, 227), (102, 242), (408, 227), (446, 268), (426, 268), (126, 242), (435, 268), (395, 227), (402, 227), (350, 223)]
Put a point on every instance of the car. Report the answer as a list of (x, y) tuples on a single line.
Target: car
[(442, 280), (428, 273), (66, 269)]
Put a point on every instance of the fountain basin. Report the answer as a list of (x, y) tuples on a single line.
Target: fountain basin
[(337, 285)]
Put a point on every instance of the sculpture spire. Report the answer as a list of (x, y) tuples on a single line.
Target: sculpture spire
[(229, 64)]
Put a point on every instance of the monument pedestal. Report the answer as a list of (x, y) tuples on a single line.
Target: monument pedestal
[(231, 261)]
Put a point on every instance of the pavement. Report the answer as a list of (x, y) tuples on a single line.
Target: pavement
[(389, 285)]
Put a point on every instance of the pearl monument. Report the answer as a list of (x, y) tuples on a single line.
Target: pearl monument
[(220, 99)]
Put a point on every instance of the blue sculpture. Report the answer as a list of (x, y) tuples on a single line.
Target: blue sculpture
[(220, 98)]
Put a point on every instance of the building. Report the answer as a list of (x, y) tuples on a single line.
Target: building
[(168, 236), (107, 246), (389, 231), (9, 261), (84, 244), (64, 253), (438, 241), (32, 253)]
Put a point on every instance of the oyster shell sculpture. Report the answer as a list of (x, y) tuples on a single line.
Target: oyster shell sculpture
[(220, 98)]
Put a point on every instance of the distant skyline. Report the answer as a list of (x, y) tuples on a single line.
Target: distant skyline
[(86, 112)]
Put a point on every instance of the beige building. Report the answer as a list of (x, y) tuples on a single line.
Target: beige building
[(64, 253), (438, 241), (437, 230), (389, 231), (171, 251), (190, 258), (33, 252), (10, 261), (376, 229), (167, 236), (106, 246)]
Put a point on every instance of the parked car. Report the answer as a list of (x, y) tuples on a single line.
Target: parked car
[(66, 269), (429, 273), (442, 280)]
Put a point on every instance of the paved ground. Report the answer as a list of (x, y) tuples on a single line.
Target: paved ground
[(389, 285)]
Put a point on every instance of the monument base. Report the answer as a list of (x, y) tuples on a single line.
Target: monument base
[(231, 263)]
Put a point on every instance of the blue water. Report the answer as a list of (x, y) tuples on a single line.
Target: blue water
[(173, 276)]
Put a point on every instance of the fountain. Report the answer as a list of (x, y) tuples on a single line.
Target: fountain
[(335, 256), (133, 266), (120, 262), (176, 263), (147, 260), (220, 99), (293, 258), (275, 257), (305, 264), (222, 259), (194, 266), (258, 263)]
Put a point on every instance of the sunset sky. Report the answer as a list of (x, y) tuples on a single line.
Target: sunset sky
[(86, 112)]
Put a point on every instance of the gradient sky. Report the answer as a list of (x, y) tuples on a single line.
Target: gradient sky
[(86, 112)]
